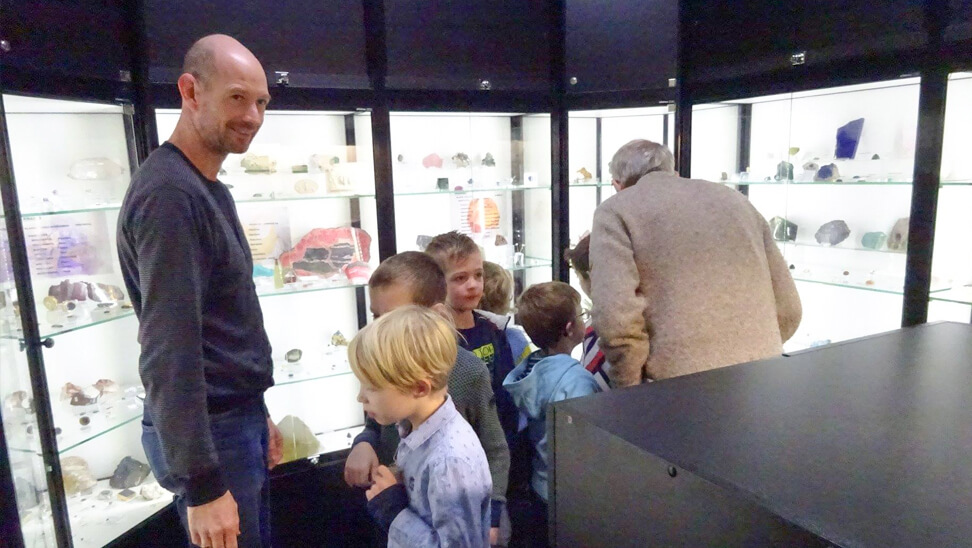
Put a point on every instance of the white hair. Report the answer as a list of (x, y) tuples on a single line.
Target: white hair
[(638, 158)]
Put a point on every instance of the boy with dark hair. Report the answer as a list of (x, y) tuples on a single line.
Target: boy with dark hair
[(495, 305), (552, 316), (592, 358), (415, 278)]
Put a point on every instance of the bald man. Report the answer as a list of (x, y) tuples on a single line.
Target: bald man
[(205, 357)]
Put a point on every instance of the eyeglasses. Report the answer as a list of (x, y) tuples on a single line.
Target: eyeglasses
[(585, 315)]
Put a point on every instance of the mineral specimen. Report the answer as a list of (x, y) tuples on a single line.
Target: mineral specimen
[(793, 151), (77, 477), (338, 339), (106, 386), (293, 356), (401, 158), (300, 168), (584, 175), (422, 241), (898, 240), (784, 171), (84, 421), (325, 251), (18, 400), (129, 473), (254, 163), (306, 186), (299, 441), (783, 230), (442, 183), (500, 240), (82, 291), (126, 495), (95, 169), (432, 160), (341, 177), (461, 159), (874, 240), (876, 157), (832, 233), (828, 172), (848, 137), (152, 491), (489, 161), (358, 272)]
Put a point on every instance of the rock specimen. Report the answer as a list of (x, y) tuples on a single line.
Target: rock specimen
[(483, 214), (325, 251), (461, 159), (442, 183), (422, 241), (584, 175), (129, 473), (255, 163), (80, 396), (832, 233), (306, 186), (338, 339), (500, 240), (848, 137), (293, 356), (106, 386), (341, 177), (18, 400), (793, 151), (784, 171), (95, 169), (828, 172), (358, 272), (489, 161), (152, 491), (126, 495), (77, 477), (783, 230), (401, 158), (300, 168), (874, 240), (298, 440), (898, 240), (83, 291), (432, 160)]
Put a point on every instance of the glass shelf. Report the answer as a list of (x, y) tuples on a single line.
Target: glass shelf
[(590, 185), (818, 183), (475, 189), (264, 292), (105, 417), (784, 245), (98, 317), (531, 262), (878, 282), (958, 295), (285, 374)]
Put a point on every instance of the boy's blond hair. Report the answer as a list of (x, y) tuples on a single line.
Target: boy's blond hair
[(450, 248), (404, 347), (497, 289)]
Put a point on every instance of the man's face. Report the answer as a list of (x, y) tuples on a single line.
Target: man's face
[(388, 298), (464, 280), (230, 107), (387, 405)]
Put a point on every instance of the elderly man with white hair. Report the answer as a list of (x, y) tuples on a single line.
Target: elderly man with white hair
[(685, 274)]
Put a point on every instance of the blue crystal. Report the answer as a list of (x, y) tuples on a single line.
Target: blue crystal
[(848, 137)]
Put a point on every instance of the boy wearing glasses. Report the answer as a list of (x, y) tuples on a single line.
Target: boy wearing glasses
[(552, 316)]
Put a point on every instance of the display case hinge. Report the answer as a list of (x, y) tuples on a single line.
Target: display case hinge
[(283, 77), (798, 58)]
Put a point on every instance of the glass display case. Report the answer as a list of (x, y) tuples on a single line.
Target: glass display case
[(305, 196), (595, 135), (485, 175), (952, 260), (72, 162), (831, 171)]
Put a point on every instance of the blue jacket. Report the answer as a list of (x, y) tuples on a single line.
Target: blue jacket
[(537, 382)]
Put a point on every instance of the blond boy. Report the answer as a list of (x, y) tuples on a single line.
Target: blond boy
[(403, 361)]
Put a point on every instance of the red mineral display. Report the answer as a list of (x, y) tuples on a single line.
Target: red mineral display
[(325, 251), (483, 214)]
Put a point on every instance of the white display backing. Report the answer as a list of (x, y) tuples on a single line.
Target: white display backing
[(715, 134)]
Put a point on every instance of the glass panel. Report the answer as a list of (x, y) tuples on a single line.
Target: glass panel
[(838, 164), (307, 182), (20, 430), (952, 261), (503, 159)]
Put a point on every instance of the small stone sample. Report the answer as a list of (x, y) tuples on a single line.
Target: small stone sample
[(783, 230), (423, 241), (106, 386), (874, 240), (50, 302), (151, 491), (793, 151), (828, 172), (898, 240), (338, 339), (432, 160), (784, 171), (84, 421), (848, 137), (401, 158), (77, 477), (489, 161), (294, 355), (18, 400), (442, 183), (811, 166), (306, 186), (584, 175), (461, 159), (129, 473), (301, 168), (255, 163), (126, 495), (500, 240), (299, 441), (832, 233), (876, 157), (105, 495)]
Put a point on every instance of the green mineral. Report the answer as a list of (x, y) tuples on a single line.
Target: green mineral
[(874, 240), (298, 440)]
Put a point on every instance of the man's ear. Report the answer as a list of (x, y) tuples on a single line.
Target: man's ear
[(617, 185), (422, 389), (188, 88)]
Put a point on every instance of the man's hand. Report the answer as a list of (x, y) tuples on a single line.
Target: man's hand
[(275, 448), (383, 478), (215, 524), (360, 465), (493, 536)]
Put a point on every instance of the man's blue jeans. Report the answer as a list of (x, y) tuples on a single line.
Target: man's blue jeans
[(241, 440)]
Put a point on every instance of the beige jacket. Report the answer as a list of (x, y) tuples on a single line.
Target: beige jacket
[(686, 277)]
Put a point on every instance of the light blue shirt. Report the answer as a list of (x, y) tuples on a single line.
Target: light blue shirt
[(448, 483)]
